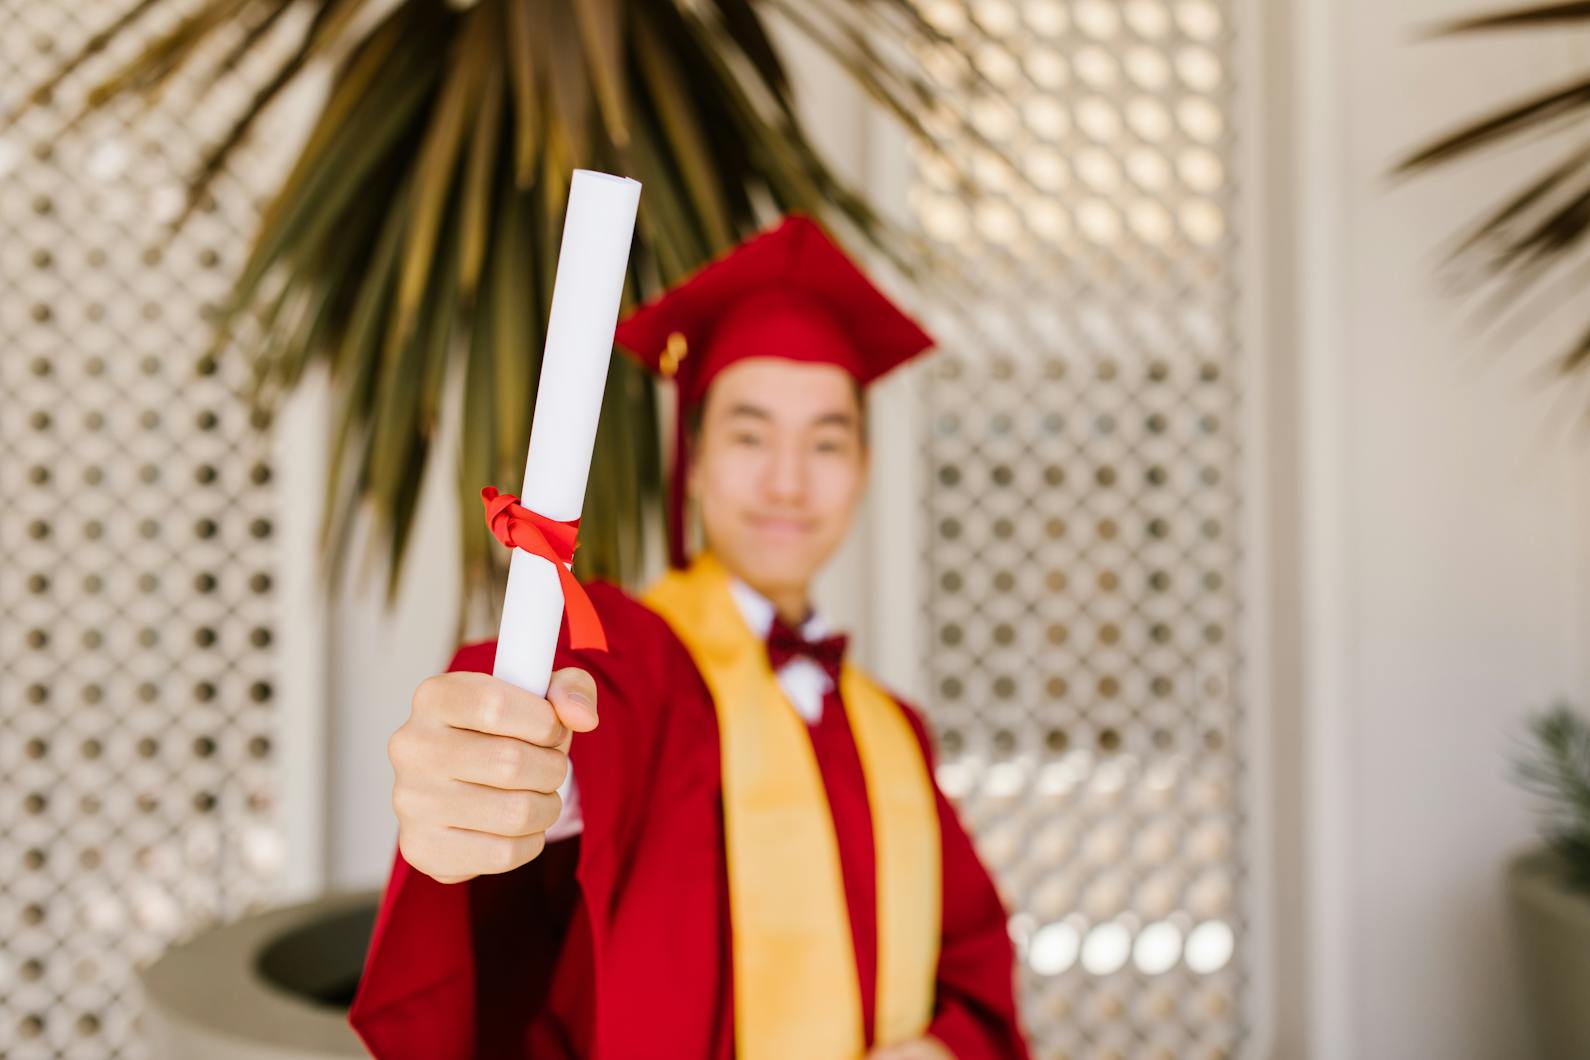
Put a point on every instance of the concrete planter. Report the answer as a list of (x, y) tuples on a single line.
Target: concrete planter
[(272, 986), (1553, 927)]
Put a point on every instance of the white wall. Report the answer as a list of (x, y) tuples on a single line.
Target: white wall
[(1445, 546)]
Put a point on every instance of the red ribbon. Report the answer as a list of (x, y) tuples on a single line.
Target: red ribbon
[(518, 527)]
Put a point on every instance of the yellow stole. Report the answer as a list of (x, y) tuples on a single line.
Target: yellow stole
[(795, 991)]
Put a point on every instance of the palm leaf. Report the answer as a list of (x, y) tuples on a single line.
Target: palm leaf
[(252, 38), (1526, 242), (419, 225), (216, 158), (478, 172), (1559, 103), (366, 64), (477, 465), (744, 26), (306, 221), (1494, 226), (525, 68), (601, 34), (44, 91), (404, 425), (1523, 18), (514, 326), (148, 71), (437, 163), (689, 150)]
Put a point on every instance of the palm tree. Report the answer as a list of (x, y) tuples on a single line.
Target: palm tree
[(1536, 233), (421, 220)]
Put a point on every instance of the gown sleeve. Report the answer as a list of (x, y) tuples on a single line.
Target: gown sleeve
[(456, 971), (975, 1009)]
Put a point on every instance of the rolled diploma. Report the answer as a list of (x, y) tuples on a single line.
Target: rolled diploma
[(592, 263)]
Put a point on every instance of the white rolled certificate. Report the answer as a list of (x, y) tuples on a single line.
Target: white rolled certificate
[(592, 263)]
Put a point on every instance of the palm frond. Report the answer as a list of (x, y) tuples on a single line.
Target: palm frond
[(1495, 226), (1529, 240), (1565, 102), (253, 37), (44, 91), (1522, 18), (418, 226)]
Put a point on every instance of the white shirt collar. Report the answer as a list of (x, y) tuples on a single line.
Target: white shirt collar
[(757, 610), (804, 682)]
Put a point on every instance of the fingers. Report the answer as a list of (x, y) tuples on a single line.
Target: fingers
[(572, 693), (490, 811), (498, 761), (925, 1048), (482, 703), (453, 831), (476, 770), (452, 855), (898, 1051)]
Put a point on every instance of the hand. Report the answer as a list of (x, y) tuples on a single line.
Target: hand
[(477, 767), (926, 1047)]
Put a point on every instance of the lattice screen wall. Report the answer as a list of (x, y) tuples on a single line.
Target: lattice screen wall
[(136, 606), (1084, 497)]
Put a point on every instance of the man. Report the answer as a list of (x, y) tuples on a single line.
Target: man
[(750, 857)]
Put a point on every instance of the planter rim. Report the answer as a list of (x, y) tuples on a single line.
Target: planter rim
[(1535, 875), (212, 981)]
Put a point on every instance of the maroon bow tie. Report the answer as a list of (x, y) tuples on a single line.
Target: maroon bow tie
[(784, 644)]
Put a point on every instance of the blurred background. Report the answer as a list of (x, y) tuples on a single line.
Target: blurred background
[(1230, 543)]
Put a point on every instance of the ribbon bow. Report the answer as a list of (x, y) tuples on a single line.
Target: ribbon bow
[(518, 527), (785, 644)]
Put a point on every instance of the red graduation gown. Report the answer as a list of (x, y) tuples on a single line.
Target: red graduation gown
[(615, 944)]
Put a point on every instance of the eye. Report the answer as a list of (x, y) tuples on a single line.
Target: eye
[(745, 438), (832, 443)]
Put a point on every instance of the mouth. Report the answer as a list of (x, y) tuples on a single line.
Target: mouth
[(774, 526)]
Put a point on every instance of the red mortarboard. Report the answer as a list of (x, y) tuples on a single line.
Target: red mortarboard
[(787, 292)]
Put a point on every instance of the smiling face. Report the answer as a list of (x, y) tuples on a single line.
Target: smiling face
[(779, 465)]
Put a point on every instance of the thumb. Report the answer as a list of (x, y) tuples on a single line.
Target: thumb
[(572, 693)]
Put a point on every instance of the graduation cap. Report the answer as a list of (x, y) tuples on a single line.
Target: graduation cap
[(787, 292)]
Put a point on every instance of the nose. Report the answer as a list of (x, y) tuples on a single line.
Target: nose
[(785, 481)]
